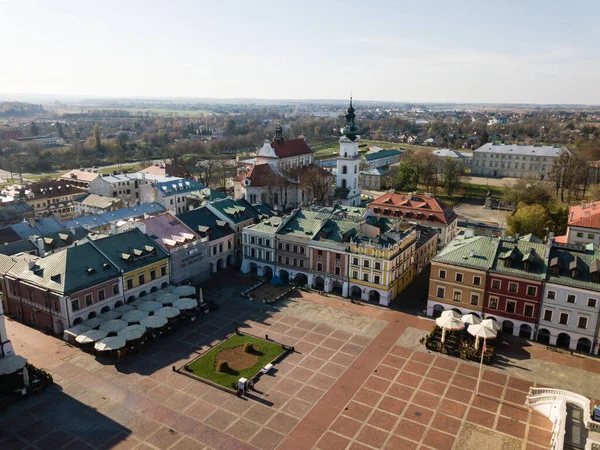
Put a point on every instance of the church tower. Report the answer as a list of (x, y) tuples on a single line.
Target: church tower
[(347, 189)]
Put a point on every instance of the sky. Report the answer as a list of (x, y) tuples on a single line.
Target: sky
[(486, 51)]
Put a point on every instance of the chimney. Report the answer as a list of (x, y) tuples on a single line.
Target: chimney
[(72, 230), (30, 265), (113, 228), (31, 222), (40, 247)]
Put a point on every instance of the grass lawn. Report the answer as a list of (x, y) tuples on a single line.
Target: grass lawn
[(205, 365)]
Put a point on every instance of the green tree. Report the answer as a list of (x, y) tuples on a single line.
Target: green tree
[(452, 174), (527, 191), (33, 129), (529, 219), (97, 139)]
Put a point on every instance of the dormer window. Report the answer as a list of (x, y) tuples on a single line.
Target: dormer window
[(554, 266)]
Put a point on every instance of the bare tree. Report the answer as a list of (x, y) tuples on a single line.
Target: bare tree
[(317, 182), (453, 174)]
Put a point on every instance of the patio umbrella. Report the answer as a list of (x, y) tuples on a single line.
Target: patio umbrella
[(132, 332), (481, 331), (77, 330), (11, 364), (125, 308), (87, 337), (152, 322), (135, 316), (167, 289), (139, 302), (168, 312), (108, 315), (167, 298), (185, 291), (448, 322), (94, 322), (110, 343), (470, 319), (185, 303), (150, 306), (491, 324), (451, 313), (113, 325)]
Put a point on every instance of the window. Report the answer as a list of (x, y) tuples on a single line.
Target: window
[(376, 279), (141, 278), (590, 236), (101, 295), (377, 266), (570, 298), (163, 271), (337, 270), (320, 267), (474, 299), (355, 275), (295, 262), (280, 246), (496, 284), (366, 263), (564, 319), (582, 322), (443, 274), (477, 281), (441, 292), (531, 291), (115, 289), (528, 311), (548, 315), (130, 283), (513, 287), (459, 277), (301, 261), (457, 296), (511, 306), (252, 239), (592, 302), (287, 260), (74, 305), (88, 300), (551, 295), (355, 261), (279, 259), (287, 247), (366, 277), (493, 303), (580, 235)]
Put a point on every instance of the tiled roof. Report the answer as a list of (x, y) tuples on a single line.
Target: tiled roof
[(303, 223), (586, 215), (130, 250), (564, 257), (97, 201), (260, 175), (168, 231), (204, 222), (232, 210), (49, 189), (521, 258), (115, 216), (528, 150), (418, 207), (291, 147), (476, 252), (69, 271), (382, 154)]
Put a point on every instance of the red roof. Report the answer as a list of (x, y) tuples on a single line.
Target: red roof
[(586, 215), (560, 239), (291, 147), (259, 175), (414, 207)]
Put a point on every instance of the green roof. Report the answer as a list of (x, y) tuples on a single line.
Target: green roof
[(24, 246), (565, 257), (232, 210), (268, 225), (131, 250), (476, 252), (203, 221), (523, 258), (382, 154), (338, 231), (68, 271), (303, 223)]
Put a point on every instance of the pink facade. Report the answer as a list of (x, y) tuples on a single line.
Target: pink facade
[(329, 262)]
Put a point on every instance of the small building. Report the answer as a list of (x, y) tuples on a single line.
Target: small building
[(80, 177), (383, 158), (51, 198), (237, 216), (584, 224), (95, 204), (172, 195), (372, 178), (465, 158), (105, 221)]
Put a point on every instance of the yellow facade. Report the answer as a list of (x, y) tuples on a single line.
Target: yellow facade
[(146, 271)]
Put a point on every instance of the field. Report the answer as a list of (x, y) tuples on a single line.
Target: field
[(329, 149), (240, 365)]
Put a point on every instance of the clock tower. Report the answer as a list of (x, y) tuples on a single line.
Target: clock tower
[(347, 189)]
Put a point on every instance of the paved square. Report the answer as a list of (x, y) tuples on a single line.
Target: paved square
[(351, 384)]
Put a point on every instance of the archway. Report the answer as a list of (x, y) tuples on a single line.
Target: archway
[(344, 183), (437, 310), (284, 275), (457, 310), (164, 285), (212, 268), (584, 345), (92, 315), (301, 279), (374, 296), (142, 294), (130, 299), (543, 336), (355, 292), (268, 271), (525, 331), (475, 314), (337, 288), (253, 268), (563, 340), (153, 289), (508, 327), (231, 260), (105, 309), (119, 303), (77, 321), (220, 264), (319, 284)]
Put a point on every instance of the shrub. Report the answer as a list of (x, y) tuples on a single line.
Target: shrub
[(222, 367), (248, 347)]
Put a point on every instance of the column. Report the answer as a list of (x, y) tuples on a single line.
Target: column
[(345, 288)]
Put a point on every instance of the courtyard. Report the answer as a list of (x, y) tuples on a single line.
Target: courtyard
[(357, 380)]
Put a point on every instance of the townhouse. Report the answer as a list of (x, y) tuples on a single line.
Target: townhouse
[(51, 198), (95, 204), (237, 216), (172, 195), (126, 186), (584, 224), (259, 247)]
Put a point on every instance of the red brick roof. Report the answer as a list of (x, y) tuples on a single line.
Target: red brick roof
[(586, 215), (291, 147), (413, 207)]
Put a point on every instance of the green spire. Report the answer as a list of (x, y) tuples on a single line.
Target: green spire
[(350, 129)]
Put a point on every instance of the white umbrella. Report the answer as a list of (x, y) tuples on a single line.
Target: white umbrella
[(491, 324), (94, 322), (168, 312), (154, 322), (168, 289), (25, 376), (167, 298), (108, 315), (125, 308), (110, 343), (185, 303), (470, 319), (139, 302), (135, 316), (448, 322), (87, 337), (11, 364), (451, 313), (132, 332), (77, 330), (113, 325), (481, 331), (150, 306), (185, 291)]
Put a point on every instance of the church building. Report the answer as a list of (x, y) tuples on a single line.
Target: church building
[(347, 189)]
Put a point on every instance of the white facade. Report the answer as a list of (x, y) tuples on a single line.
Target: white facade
[(348, 165), (6, 348), (583, 236)]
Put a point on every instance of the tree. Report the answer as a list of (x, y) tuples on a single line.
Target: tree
[(97, 138), (529, 219), (452, 174), (225, 169), (528, 191), (317, 182), (33, 129), (206, 171), (278, 187), (570, 172), (230, 128)]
